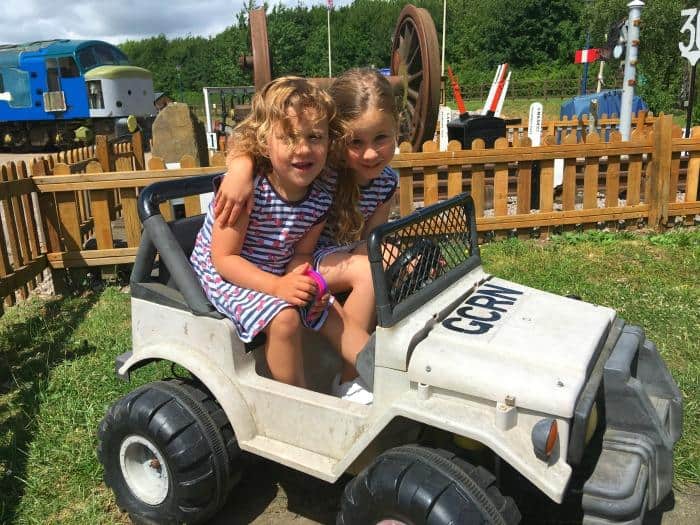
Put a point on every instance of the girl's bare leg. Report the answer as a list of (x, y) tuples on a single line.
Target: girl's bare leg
[(348, 271), (283, 348), (346, 336)]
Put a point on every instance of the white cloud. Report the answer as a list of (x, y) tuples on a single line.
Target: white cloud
[(115, 22)]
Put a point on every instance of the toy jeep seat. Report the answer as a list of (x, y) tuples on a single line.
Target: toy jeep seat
[(162, 274)]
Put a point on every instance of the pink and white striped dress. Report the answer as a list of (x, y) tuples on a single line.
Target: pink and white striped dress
[(274, 228)]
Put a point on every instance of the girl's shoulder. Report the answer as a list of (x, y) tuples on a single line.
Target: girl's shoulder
[(390, 174)]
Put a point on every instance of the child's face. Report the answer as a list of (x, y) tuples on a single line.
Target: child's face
[(371, 145), (298, 154)]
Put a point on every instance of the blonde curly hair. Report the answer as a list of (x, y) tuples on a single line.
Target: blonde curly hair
[(269, 108)]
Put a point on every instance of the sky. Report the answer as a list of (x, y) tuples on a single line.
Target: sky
[(118, 20)]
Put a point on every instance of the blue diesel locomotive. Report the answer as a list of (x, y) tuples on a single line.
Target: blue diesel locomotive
[(59, 92)]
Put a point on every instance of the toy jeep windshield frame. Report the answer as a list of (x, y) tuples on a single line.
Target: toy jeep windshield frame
[(419, 256)]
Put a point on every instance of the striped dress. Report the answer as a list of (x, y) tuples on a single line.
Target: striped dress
[(274, 227), (372, 196)]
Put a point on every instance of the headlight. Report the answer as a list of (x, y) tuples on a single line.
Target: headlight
[(95, 100), (544, 438)]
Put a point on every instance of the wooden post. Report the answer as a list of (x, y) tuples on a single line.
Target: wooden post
[(454, 175), (500, 181), (137, 148), (5, 267), (478, 182), (13, 230), (660, 172), (192, 206), (693, 173), (103, 153), (430, 177)]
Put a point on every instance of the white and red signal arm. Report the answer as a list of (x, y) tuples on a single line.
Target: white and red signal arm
[(497, 91), (584, 56)]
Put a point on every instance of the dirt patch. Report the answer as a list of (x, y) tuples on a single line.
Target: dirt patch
[(270, 494)]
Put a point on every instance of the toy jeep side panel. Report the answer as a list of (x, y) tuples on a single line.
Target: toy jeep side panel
[(300, 428), (212, 351)]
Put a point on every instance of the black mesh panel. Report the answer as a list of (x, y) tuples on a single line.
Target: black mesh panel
[(414, 255)]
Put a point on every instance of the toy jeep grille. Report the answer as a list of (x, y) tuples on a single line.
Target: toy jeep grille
[(416, 257)]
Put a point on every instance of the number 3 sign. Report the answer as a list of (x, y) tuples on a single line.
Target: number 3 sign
[(691, 50)]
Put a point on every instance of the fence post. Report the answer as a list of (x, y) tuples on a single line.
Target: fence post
[(137, 148), (660, 172), (104, 156)]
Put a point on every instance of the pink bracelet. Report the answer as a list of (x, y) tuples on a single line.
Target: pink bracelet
[(321, 286)]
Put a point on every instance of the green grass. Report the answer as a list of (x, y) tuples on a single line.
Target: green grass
[(56, 381), (520, 108), (57, 361)]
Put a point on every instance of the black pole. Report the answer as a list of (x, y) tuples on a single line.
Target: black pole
[(584, 81), (691, 100)]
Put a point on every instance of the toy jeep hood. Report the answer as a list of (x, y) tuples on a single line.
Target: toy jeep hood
[(508, 340)]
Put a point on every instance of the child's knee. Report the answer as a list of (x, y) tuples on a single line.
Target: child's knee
[(362, 273), (286, 323)]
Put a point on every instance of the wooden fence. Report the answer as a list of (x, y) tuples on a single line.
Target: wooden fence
[(559, 129), (88, 216), (653, 178)]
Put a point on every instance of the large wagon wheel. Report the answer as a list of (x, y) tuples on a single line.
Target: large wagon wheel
[(415, 69), (415, 58)]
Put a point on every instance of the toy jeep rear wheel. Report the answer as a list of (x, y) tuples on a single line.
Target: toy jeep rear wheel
[(414, 485), (169, 453)]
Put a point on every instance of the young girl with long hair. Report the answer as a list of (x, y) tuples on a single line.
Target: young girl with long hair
[(255, 271), (363, 184)]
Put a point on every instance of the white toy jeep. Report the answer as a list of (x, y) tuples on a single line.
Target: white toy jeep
[(544, 383)]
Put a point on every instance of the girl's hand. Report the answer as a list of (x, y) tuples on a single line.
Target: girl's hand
[(295, 287), (230, 201), (235, 193), (319, 306)]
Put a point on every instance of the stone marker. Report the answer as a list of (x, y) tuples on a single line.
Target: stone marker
[(178, 132)]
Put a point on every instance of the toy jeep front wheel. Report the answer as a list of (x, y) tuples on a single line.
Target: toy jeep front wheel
[(169, 453), (413, 485)]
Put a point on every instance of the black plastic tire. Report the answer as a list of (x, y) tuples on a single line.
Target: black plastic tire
[(420, 486), (192, 449)]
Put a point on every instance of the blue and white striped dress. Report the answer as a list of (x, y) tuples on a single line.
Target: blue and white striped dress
[(274, 227), (376, 193)]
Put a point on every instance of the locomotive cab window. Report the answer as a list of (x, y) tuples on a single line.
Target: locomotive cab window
[(68, 67), (57, 68), (2, 84), (52, 75), (87, 59), (107, 55)]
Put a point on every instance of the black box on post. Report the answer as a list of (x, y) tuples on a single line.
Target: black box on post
[(469, 127)]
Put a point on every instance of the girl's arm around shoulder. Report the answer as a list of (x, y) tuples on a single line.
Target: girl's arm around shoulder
[(235, 194)]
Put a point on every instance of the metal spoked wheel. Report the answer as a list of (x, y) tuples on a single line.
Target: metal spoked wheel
[(145, 471), (415, 57)]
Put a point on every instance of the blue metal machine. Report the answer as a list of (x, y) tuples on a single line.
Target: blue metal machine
[(59, 92)]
